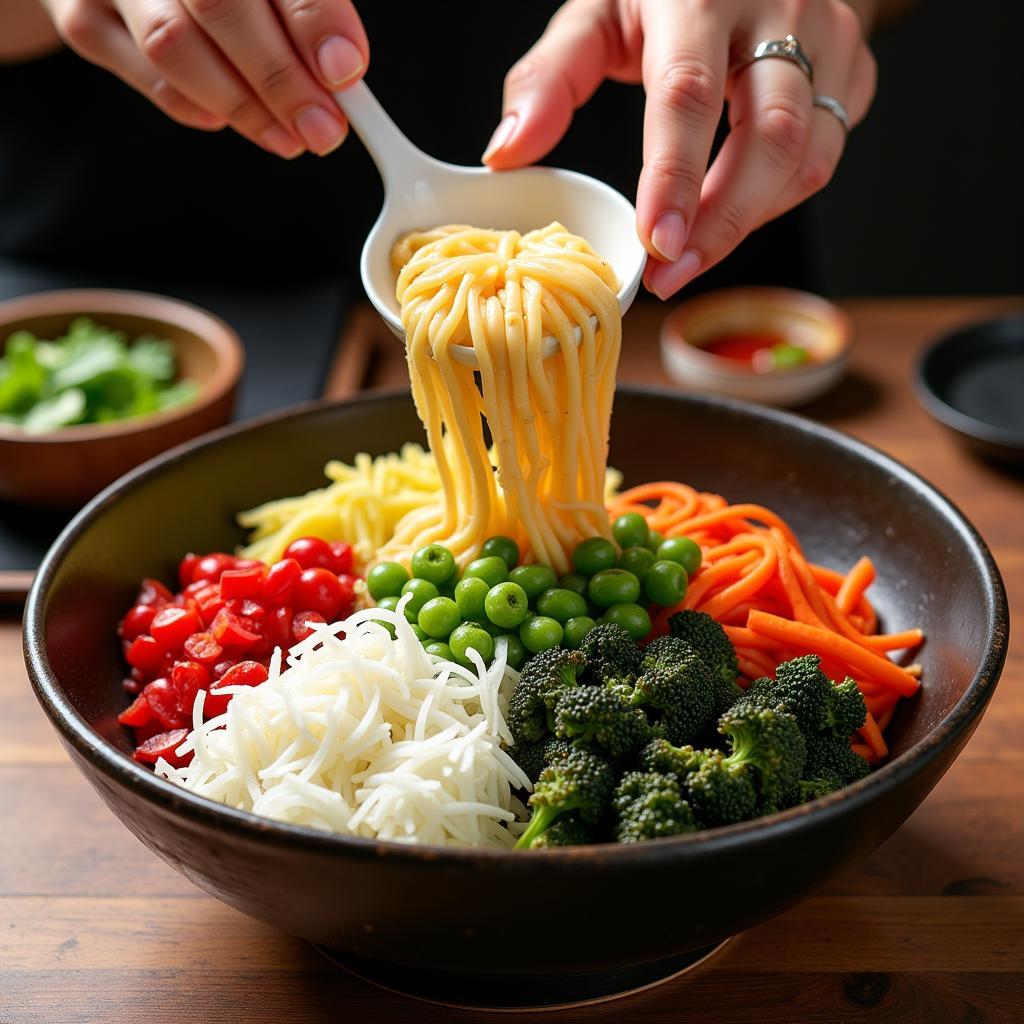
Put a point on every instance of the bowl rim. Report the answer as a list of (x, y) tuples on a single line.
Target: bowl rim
[(712, 365), (216, 334), (945, 412), (201, 811)]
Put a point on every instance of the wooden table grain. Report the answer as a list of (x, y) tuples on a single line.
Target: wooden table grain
[(94, 928)]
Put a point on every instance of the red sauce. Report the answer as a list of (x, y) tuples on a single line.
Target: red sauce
[(741, 347)]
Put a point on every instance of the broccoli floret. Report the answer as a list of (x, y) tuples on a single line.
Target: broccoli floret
[(769, 742), (593, 716), (846, 710), (802, 690), (677, 688), (831, 764), (534, 757), (708, 639), (721, 792), (611, 655), (661, 756), (568, 830), (650, 805), (580, 781), (545, 678)]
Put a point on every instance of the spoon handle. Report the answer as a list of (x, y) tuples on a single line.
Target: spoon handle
[(395, 156)]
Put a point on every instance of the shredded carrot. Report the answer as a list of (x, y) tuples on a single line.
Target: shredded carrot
[(858, 579), (816, 640), (774, 604)]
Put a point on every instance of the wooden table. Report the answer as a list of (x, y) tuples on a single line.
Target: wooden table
[(94, 928)]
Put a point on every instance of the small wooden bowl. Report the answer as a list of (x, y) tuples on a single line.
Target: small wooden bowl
[(805, 319), (68, 466)]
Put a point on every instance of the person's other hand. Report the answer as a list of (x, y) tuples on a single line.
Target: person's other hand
[(690, 56), (264, 67)]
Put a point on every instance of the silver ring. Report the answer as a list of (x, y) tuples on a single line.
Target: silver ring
[(834, 107), (785, 49)]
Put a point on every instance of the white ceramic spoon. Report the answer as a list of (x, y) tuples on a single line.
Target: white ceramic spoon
[(421, 192)]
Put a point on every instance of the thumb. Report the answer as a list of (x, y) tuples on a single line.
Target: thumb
[(555, 77)]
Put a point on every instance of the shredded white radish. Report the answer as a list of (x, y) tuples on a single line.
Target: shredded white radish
[(364, 734)]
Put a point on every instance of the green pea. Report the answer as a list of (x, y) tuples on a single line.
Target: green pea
[(560, 604), (574, 581), (418, 633), (540, 633), (654, 540), (613, 586), (637, 560), (434, 563), (534, 579), (504, 548), (438, 617), (389, 603), (440, 650), (470, 595), (386, 579), (515, 652), (507, 605), (593, 555), (422, 591), (466, 637), (682, 550), (631, 617), (492, 570), (630, 530), (576, 629), (665, 583)]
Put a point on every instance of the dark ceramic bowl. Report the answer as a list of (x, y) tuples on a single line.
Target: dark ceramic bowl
[(971, 381), (487, 913)]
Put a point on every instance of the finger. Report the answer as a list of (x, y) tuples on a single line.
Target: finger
[(685, 63), (772, 102), (250, 36), (100, 36), (556, 76), (329, 37), (186, 58)]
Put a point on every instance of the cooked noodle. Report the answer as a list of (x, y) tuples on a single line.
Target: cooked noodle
[(502, 293)]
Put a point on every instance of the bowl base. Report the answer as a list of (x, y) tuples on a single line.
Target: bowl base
[(493, 992)]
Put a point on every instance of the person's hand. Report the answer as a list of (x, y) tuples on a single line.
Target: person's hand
[(264, 67), (690, 56)]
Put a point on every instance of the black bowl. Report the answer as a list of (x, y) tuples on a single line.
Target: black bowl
[(513, 913), (973, 382)]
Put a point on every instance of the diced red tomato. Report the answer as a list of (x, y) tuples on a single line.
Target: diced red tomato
[(319, 591), (242, 582), (137, 713), (250, 563), (145, 654), (210, 567), (187, 569), (137, 621), (163, 745), (172, 626), (344, 561), (245, 673), (230, 629), (144, 732), (301, 627), (164, 703), (347, 583), (280, 582), (153, 592), (221, 667), (188, 678), (203, 648), (131, 686), (279, 627), (310, 553)]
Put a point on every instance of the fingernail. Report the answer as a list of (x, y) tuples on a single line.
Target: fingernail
[(277, 139), (670, 277), (319, 130), (501, 135), (669, 234), (340, 60)]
